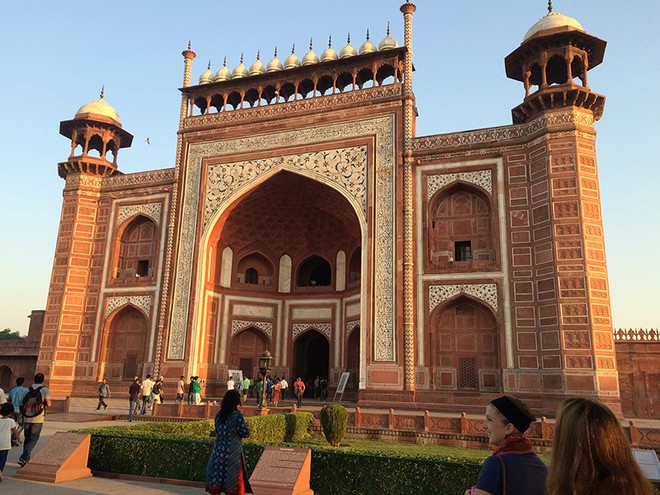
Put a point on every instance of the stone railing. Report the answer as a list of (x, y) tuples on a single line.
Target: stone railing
[(637, 335), (458, 431)]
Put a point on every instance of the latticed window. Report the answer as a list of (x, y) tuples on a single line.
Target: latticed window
[(251, 276), (467, 373)]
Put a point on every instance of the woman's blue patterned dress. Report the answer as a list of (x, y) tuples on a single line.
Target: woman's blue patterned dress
[(226, 456)]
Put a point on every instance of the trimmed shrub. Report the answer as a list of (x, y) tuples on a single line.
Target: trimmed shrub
[(334, 419)]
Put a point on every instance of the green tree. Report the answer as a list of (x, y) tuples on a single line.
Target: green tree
[(7, 334)]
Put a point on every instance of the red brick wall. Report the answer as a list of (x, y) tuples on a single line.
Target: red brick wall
[(638, 362)]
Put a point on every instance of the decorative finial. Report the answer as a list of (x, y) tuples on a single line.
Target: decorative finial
[(275, 56), (293, 49), (209, 66), (367, 33), (241, 57), (549, 6), (188, 44), (388, 28), (102, 91), (348, 40), (224, 62), (258, 54), (330, 41), (310, 44)]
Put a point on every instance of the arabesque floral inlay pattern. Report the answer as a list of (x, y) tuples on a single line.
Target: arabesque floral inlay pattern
[(345, 166), (238, 325), (324, 328), (484, 292), (382, 130), (481, 178), (142, 302), (151, 210)]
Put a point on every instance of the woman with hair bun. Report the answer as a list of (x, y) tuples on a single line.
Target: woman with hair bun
[(513, 469), (591, 454)]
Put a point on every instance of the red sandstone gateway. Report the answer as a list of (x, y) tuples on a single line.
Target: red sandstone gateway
[(304, 216)]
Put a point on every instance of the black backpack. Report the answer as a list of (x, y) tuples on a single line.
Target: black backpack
[(33, 403)]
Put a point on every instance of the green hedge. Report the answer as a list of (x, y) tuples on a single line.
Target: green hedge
[(333, 472), (181, 451)]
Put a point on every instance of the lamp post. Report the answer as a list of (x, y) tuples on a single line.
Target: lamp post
[(264, 367)]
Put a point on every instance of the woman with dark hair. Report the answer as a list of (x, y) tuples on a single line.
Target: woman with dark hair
[(591, 454), (225, 473), (513, 469)]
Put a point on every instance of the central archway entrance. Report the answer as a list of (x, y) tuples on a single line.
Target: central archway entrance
[(312, 355)]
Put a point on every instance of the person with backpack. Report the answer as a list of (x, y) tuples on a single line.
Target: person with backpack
[(33, 408)]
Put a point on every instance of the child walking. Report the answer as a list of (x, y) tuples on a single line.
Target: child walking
[(8, 427)]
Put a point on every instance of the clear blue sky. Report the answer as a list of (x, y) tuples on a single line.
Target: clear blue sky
[(57, 55)]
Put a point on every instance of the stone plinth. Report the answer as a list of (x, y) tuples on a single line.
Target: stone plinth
[(63, 458), (282, 471)]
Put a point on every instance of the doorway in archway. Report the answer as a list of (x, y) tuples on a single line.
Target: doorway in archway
[(246, 347), (353, 359), (312, 353)]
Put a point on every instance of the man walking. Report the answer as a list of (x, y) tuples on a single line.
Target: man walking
[(145, 390), (134, 398), (34, 405), (103, 391)]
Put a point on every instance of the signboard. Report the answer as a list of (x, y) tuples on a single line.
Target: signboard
[(237, 375), (648, 462), (343, 380), (282, 471)]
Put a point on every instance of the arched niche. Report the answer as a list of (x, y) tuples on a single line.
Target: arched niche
[(464, 346), (311, 352), (124, 352), (460, 227), (245, 349), (254, 269), (137, 250), (315, 271)]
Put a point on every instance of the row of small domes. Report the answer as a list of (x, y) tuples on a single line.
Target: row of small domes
[(292, 61)]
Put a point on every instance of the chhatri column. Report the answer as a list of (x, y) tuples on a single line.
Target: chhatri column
[(188, 56), (408, 252)]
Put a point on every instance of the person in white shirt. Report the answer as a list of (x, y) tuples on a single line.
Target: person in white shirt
[(284, 385), (230, 383), (145, 390), (3, 396), (180, 390)]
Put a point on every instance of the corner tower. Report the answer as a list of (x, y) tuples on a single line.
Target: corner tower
[(568, 279), (96, 136)]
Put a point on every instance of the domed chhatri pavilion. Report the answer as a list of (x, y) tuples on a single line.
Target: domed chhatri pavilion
[(306, 217)]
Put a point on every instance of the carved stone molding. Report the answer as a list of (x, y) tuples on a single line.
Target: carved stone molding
[(501, 134), (345, 167), (481, 178), (151, 210), (381, 188), (324, 328), (164, 175), (142, 302), (484, 292), (238, 325), (286, 109)]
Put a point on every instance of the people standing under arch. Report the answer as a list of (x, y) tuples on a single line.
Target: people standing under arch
[(133, 398)]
